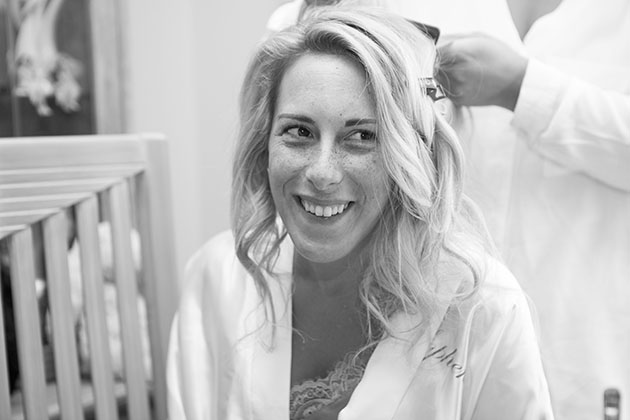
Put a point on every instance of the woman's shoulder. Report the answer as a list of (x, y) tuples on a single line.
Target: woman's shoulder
[(500, 294), (214, 269), (498, 279), (498, 275), (480, 273), (217, 289), (486, 282), (217, 249)]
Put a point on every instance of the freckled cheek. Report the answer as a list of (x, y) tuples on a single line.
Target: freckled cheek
[(370, 173), (283, 166)]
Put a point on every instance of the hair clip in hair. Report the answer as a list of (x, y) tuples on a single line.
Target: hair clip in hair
[(433, 32), (432, 88)]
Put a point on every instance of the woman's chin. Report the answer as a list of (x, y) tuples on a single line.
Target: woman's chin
[(321, 254)]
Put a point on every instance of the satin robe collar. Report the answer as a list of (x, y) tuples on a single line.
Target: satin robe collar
[(388, 375)]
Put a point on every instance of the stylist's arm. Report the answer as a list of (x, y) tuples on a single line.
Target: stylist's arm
[(479, 70)]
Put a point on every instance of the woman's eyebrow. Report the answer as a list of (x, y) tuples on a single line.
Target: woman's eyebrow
[(297, 117), (360, 121)]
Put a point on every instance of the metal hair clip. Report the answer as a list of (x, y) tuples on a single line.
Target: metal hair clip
[(432, 88), (432, 32)]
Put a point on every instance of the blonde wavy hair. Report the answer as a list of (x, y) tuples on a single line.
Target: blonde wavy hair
[(427, 221)]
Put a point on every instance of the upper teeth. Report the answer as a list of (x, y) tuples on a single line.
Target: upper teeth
[(323, 211)]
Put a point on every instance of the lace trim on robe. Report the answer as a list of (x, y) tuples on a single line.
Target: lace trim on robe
[(313, 394)]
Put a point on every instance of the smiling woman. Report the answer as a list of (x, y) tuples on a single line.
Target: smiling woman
[(357, 282), (324, 158)]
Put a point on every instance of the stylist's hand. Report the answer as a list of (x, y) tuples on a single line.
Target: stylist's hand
[(479, 70)]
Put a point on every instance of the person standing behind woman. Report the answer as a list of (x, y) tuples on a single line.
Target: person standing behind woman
[(567, 226), (293, 11), (356, 282)]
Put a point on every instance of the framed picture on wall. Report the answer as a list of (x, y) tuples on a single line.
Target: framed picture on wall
[(63, 67)]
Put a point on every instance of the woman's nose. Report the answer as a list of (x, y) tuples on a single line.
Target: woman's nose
[(325, 169)]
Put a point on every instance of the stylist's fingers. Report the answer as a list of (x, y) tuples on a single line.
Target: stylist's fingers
[(447, 39), (447, 74), (460, 70)]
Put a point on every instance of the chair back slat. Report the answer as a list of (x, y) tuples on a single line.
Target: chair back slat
[(36, 202), (25, 217), (5, 397), (115, 189), (34, 174), (29, 189), (41, 152), (93, 292), (157, 258), (64, 340), (10, 229), (27, 326), (126, 283)]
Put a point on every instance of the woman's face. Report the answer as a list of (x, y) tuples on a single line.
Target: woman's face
[(325, 169)]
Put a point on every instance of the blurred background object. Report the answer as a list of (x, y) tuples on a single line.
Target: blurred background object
[(612, 404), (157, 66), (41, 70), (45, 85)]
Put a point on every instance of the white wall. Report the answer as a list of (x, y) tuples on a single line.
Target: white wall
[(185, 63)]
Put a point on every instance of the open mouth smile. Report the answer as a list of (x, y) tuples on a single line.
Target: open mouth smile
[(324, 211)]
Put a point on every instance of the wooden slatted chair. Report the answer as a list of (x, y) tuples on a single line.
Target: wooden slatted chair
[(124, 179)]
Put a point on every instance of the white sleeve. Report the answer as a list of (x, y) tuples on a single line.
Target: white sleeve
[(515, 386), (576, 124), (284, 16)]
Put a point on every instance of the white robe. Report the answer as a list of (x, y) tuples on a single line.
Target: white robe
[(479, 361)]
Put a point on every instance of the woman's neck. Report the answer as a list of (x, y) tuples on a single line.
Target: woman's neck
[(327, 320), (336, 278)]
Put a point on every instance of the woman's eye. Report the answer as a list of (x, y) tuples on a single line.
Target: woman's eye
[(362, 136), (298, 131)]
